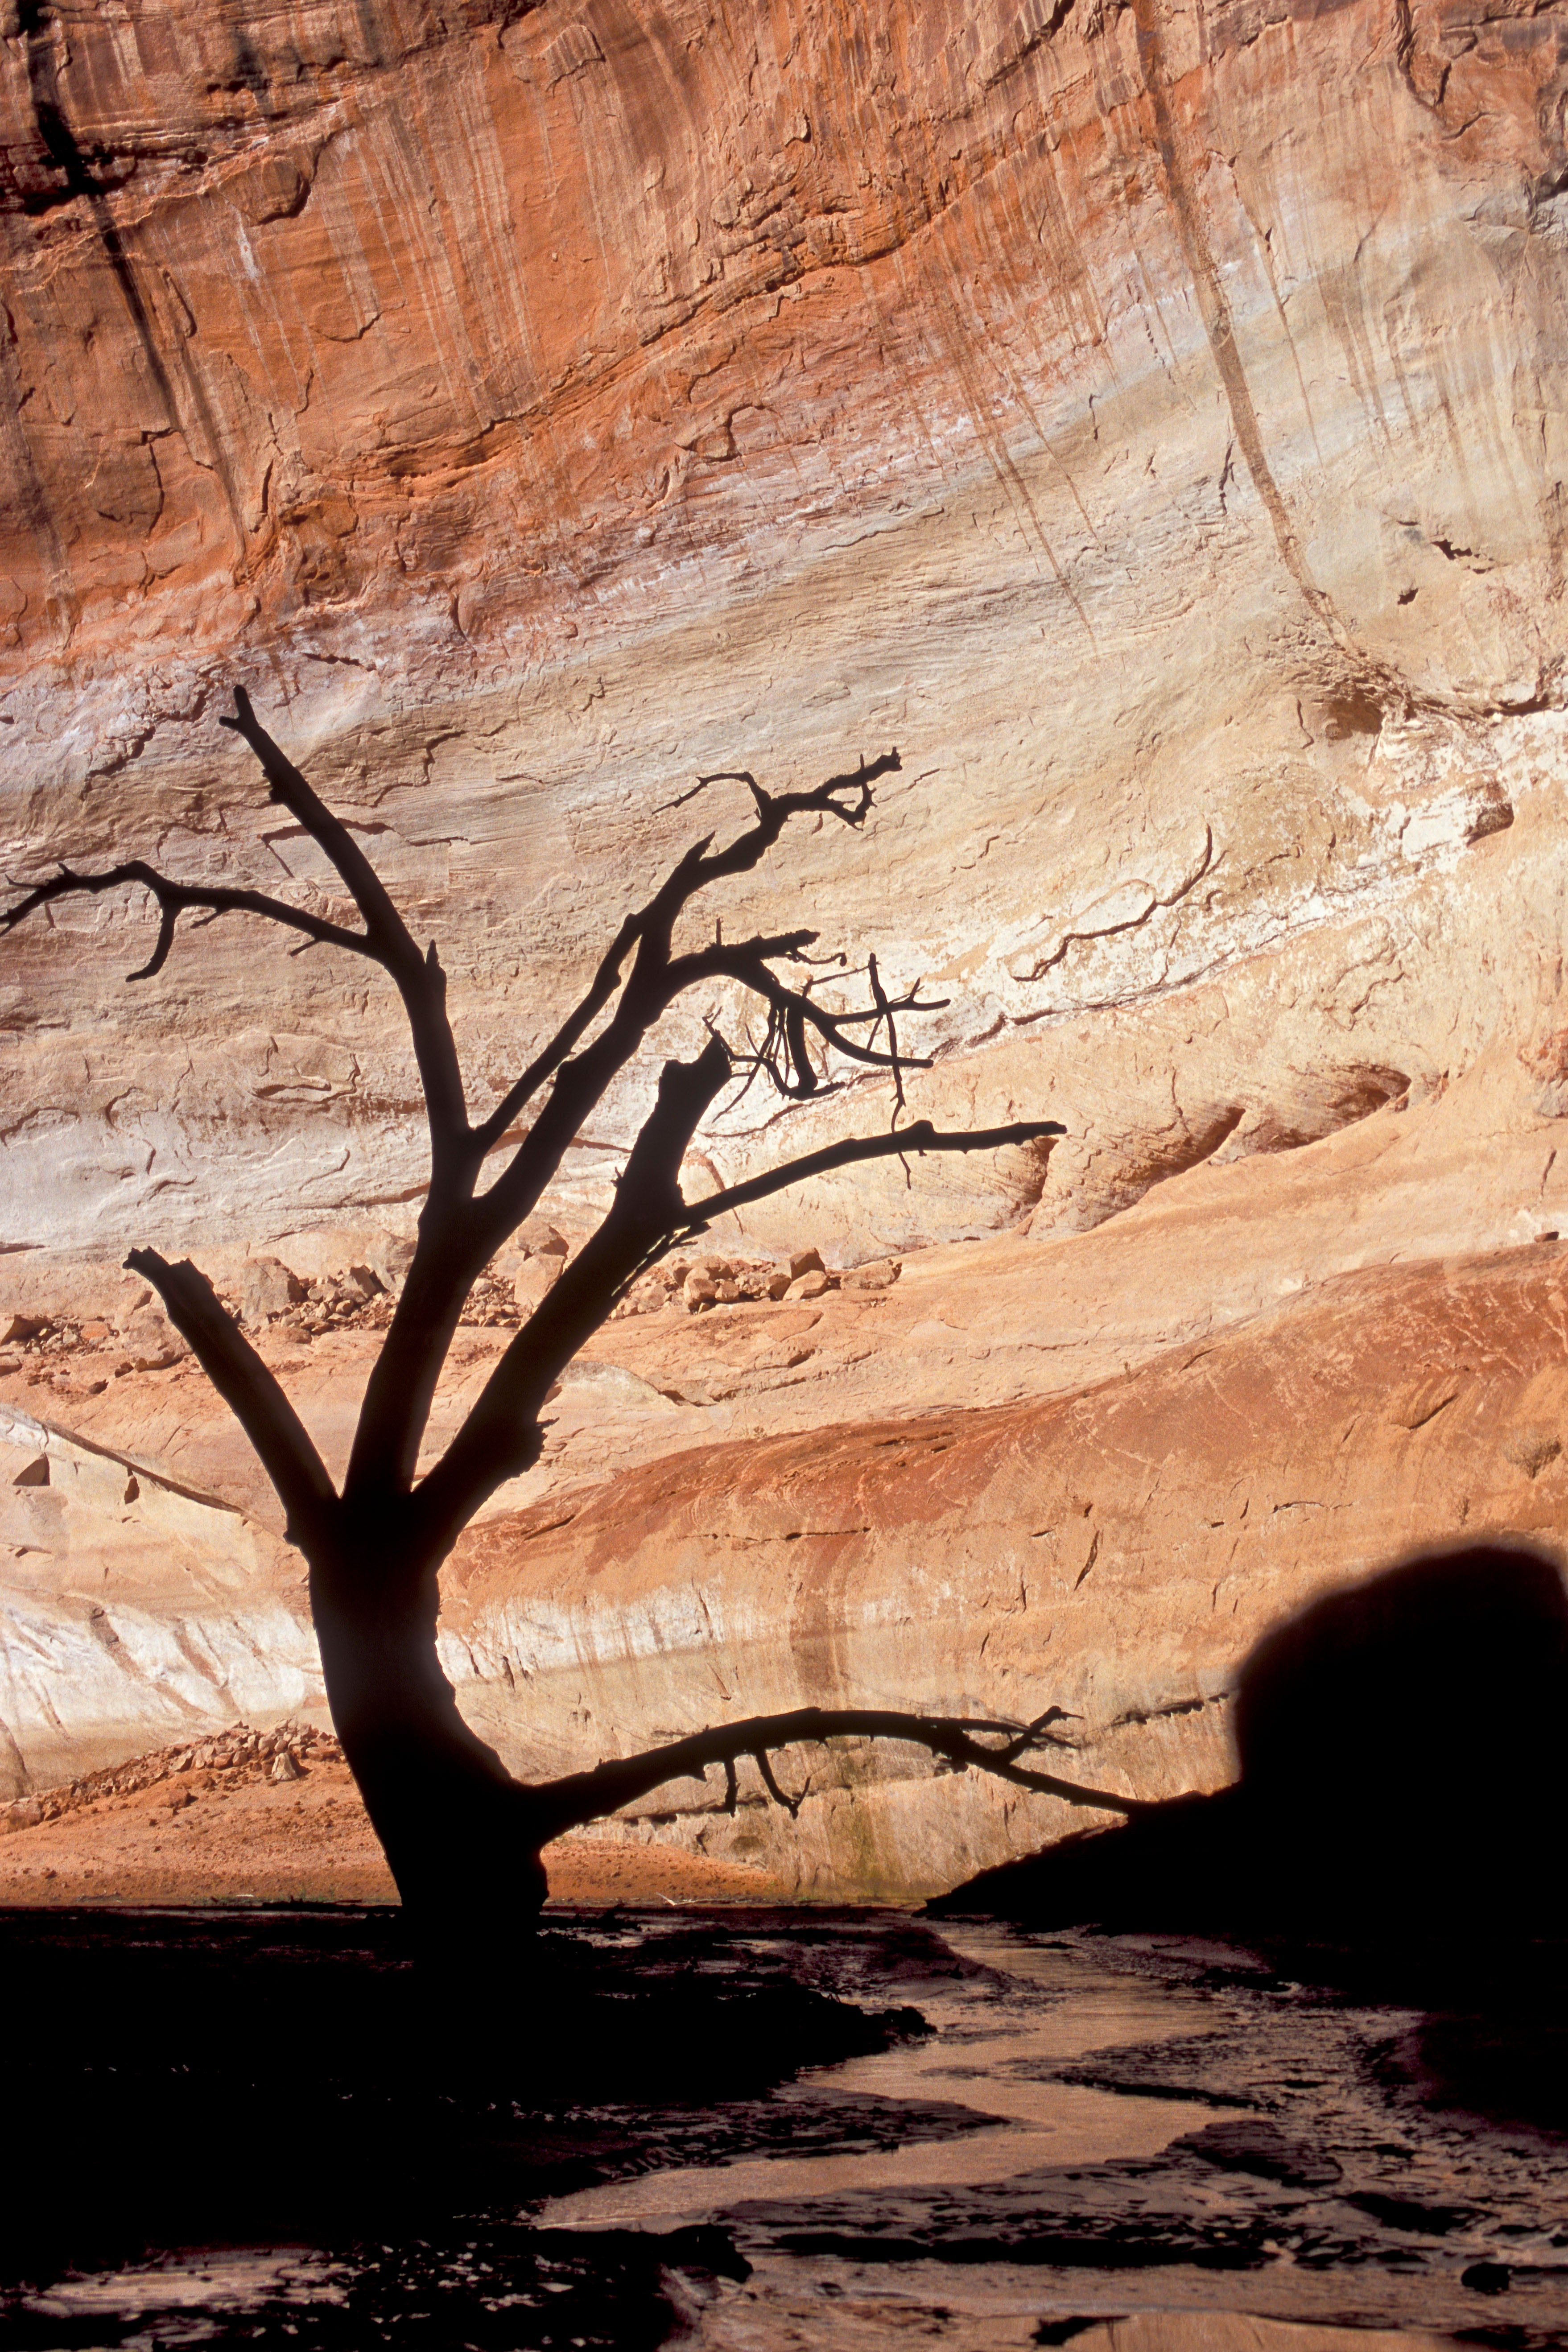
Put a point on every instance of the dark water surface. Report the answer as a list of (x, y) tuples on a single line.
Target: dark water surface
[(755, 2130)]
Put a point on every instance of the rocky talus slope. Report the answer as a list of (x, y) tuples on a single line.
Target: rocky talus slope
[(1152, 422)]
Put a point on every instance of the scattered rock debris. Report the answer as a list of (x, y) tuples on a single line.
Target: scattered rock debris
[(78, 1357), (225, 1758)]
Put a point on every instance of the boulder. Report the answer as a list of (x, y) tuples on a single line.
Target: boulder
[(534, 1278), (871, 1277), (151, 1341), (389, 1260), (537, 1238), (269, 1287)]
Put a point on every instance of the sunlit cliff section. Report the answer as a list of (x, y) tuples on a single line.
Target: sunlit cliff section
[(1150, 420)]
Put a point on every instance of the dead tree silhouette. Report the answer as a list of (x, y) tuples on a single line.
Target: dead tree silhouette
[(462, 1836)]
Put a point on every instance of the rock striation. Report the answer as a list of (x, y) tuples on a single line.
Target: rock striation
[(1150, 420)]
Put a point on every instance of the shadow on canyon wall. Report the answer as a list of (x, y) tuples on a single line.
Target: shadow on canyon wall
[(1404, 1753)]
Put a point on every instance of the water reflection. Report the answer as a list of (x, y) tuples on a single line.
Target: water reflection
[(1132, 2144), (981, 2054)]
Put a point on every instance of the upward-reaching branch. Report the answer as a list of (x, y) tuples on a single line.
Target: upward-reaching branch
[(419, 979), (500, 1436), (279, 1437), (648, 991)]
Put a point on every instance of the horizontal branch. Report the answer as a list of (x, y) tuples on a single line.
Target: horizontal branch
[(174, 898), (557, 1806), (920, 1139)]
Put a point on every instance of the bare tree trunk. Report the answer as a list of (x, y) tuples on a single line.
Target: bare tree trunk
[(461, 1836)]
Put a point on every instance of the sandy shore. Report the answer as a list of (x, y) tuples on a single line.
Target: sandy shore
[(304, 1841)]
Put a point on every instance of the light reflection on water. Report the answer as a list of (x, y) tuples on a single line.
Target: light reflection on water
[(1133, 2145), (980, 2056), (224, 2279)]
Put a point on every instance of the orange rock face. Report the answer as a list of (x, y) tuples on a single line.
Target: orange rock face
[(1115, 1553), (1152, 422), (452, 310)]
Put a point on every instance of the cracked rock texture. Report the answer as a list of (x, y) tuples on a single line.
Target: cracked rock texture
[(1114, 1551), (1150, 420)]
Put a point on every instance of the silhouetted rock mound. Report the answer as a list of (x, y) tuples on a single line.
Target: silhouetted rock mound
[(1403, 1777)]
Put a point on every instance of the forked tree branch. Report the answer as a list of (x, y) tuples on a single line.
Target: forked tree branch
[(281, 1442), (460, 1232), (646, 993), (500, 1437), (402, 1385), (581, 1796)]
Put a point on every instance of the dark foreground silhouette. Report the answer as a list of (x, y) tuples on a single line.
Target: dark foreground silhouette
[(221, 2078), (1404, 1753), (239, 2130)]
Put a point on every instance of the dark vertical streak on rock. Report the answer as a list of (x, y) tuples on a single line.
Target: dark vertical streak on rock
[(67, 156), (1215, 312)]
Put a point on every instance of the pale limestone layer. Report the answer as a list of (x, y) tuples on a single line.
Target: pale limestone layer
[(132, 1607)]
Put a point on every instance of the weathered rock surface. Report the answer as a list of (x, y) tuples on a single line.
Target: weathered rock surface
[(1152, 421), (1221, 1370), (1115, 1553)]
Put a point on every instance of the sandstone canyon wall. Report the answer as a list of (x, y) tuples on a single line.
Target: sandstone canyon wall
[(1151, 419)]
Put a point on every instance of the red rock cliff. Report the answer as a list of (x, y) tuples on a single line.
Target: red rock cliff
[(1152, 419)]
